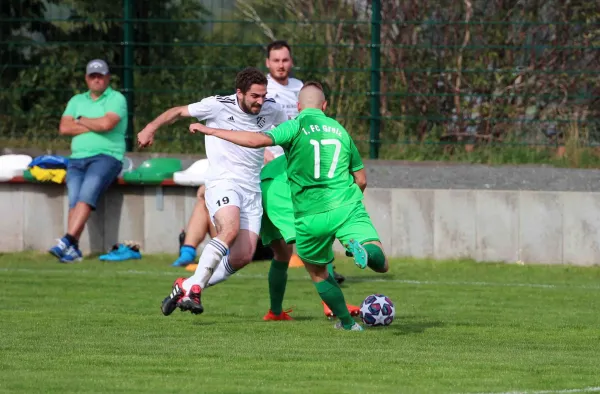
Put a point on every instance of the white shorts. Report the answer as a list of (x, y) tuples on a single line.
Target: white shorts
[(225, 193)]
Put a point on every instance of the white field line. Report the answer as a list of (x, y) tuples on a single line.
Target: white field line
[(566, 391), (241, 275)]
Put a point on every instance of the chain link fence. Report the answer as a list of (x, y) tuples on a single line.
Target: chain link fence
[(499, 81)]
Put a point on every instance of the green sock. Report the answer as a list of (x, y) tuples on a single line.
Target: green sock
[(376, 258), (277, 283), (331, 293), (330, 269)]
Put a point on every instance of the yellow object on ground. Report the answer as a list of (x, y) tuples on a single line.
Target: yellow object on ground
[(48, 175)]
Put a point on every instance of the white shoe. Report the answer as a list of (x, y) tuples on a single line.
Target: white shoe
[(355, 327)]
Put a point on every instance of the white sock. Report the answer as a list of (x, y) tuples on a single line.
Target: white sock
[(211, 255), (224, 270)]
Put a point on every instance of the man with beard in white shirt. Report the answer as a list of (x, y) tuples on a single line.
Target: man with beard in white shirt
[(233, 195)]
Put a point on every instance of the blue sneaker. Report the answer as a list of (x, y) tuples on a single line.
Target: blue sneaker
[(358, 253), (71, 255), (187, 255), (121, 253), (60, 249)]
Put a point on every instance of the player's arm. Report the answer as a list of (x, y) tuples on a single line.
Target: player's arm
[(357, 168), (249, 139), (360, 178), (67, 125), (202, 110), (146, 136), (280, 135)]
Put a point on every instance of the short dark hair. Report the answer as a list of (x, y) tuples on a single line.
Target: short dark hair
[(313, 83), (278, 45), (248, 77)]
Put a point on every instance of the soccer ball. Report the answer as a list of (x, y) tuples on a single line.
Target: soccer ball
[(377, 310)]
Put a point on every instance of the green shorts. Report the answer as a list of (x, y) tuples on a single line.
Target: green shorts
[(317, 233), (278, 212)]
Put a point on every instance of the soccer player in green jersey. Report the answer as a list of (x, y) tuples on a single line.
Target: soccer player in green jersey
[(278, 231), (326, 177)]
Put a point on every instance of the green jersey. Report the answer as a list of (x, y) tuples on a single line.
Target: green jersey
[(111, 142), (321, 158), (275, 169)]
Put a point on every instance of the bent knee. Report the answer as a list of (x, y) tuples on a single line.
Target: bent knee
[(383, 269), (240, 260)]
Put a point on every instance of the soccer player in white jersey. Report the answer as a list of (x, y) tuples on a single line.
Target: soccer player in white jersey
[(233, 195), (281, 87)]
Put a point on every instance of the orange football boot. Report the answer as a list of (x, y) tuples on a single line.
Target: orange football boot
[(353, 309), (270, 316)]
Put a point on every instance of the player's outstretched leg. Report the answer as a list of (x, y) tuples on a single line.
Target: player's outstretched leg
[(223, 271), (359, 254), (332, 295), (361, 240), (353, 309), (182, 299), (171, 302), (369, 254), (376, 258), (228, 222), (282, 253)]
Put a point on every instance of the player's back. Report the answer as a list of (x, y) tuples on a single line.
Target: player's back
[(321, 159)]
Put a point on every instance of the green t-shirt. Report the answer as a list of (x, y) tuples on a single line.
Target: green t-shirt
[(321, 158), (109, 142), (275, 169)]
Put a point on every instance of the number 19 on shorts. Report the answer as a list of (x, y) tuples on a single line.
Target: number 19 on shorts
[(223, 201), (336, 155)]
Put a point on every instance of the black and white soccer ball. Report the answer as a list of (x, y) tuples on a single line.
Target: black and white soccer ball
[(377, 310)]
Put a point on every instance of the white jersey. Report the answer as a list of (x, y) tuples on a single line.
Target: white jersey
[(228, 161), (287, 97)]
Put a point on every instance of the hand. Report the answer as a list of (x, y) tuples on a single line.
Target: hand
[(146, 137), (268, 156), (200, 128)]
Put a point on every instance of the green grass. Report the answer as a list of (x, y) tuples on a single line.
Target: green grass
[(460, 327)]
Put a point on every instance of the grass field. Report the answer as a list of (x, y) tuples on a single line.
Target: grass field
[(460, 327)]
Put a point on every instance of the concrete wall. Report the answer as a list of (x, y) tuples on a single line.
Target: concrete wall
[(487, 225)]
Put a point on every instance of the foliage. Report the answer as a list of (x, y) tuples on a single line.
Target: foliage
[(489, 74)]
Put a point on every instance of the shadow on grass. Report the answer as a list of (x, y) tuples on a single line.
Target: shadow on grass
[(236, 318), (406, 325)]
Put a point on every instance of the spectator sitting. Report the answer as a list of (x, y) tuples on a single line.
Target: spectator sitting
[(97, 121)]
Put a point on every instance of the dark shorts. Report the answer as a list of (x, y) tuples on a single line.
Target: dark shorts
[(88, 178)]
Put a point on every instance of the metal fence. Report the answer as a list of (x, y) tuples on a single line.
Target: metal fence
[(406, 81)]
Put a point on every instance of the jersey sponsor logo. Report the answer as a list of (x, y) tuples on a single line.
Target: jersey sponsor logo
[(260, 121)]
